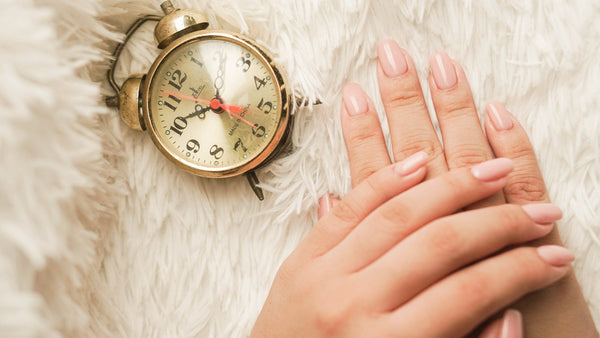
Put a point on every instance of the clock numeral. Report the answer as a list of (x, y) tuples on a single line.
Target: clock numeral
[(175, 85), (179, 125), (179, 77), (196, 61), (244, 63), (216, 151), (240, 144), (259, 83), (259, 131), (265, 105), (193, 145), (175, 99)]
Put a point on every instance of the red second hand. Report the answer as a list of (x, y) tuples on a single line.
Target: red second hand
[(229, 108)]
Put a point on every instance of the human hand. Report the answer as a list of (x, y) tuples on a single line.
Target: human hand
[(465, 144), (393, 261)]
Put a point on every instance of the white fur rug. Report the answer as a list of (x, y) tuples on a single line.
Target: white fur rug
[(101, 236)]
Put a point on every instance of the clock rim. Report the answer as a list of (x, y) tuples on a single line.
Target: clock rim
[(282, 107)]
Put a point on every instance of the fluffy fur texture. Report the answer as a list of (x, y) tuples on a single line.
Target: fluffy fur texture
[(102, 236)]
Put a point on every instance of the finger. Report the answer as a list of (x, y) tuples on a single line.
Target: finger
[(411, 129), (449, 243), (360, 202), (509, 326), (508, 139), (465, 145), (365, 145), (469, 296), (404, 214), (326, 203)]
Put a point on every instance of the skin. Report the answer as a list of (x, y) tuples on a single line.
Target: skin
[(396, 255), (557, 311), (340, 283)]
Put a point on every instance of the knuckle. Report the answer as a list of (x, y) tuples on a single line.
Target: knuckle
[(521, 150), (332, 315), (365, 170), (457, 106), (447, 238), (419, 142), (454, 184), (474, 291), (526, 187), (406, 98), (466, 156), (346, 212), (396, 219), (363, 133)]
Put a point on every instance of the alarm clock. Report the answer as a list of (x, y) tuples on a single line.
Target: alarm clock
[(213, 102)]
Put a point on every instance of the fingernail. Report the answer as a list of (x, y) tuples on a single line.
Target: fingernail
[(411, 164), (324, 205), (555, 255), (543, 213), (443, 71), (492, 170), (499, 116), (355, 100), (392, 59), (512, 324)]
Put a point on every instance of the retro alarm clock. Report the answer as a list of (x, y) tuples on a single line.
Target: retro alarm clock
[(213, 102)]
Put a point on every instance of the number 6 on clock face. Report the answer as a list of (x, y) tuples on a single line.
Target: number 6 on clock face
[(215, 104)]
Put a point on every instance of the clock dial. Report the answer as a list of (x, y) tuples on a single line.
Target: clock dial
[(214, 104)]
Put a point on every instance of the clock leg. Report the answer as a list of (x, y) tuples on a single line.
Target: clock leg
[(253, 180)]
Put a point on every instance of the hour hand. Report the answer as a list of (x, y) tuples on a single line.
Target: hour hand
[(198, 112)]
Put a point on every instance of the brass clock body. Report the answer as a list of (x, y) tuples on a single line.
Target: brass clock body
[(214, 104)]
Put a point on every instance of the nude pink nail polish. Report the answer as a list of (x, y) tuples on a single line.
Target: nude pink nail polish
[(499, 116), (555, 255), (493, 170), (411, 164), (512, 324), (443, 71), (391, 59), (355, 99), (324, 205), (543, 213)]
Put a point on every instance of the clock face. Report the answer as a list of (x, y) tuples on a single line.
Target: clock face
[(215, 104)]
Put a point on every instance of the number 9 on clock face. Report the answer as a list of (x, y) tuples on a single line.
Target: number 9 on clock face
[(215, 104)]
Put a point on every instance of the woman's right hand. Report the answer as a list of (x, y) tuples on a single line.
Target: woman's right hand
[(393, 259)]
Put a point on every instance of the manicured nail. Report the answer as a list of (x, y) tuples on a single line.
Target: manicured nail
[(411, 164), (512, 324), (325, 205), (392, 59), (555, 255), (499, 116), (443, 71), (543, 213), (355, 99), (493, 170)]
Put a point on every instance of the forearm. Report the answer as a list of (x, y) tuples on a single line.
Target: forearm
[(559, 310)]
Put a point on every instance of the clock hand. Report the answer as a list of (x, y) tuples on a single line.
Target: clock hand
[(216, 104), (198, 112), (219, 81), (227, 107)]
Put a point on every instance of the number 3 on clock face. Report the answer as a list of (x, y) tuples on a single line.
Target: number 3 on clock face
[(215, 103)]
